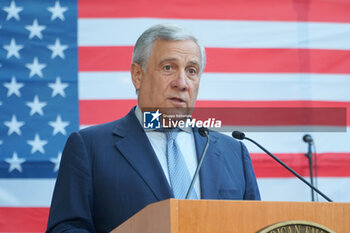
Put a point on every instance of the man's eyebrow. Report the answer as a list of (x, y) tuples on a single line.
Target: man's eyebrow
[(195, 63), (192, 62), (168, 60)]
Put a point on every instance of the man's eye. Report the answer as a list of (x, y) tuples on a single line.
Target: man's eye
[(192, 71), (167, 67)]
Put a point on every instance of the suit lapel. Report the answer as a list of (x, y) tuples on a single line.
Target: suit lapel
[(211, 168), (134, 145)]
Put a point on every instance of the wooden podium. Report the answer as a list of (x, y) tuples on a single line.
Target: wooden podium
[(212, 216)]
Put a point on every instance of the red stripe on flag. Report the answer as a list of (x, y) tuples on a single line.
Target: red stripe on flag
[(328, 164), (104, 58), (101, 111), (274, 116), (33, 219), (231, 60), (276, 10), (277, 60)]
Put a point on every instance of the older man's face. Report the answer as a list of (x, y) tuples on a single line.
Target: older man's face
[(172, 77)]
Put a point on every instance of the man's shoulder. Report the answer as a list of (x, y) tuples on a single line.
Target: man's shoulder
[(108, 127), (224, 137)]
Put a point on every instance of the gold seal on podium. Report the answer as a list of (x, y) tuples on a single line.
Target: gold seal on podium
[(296, 227)]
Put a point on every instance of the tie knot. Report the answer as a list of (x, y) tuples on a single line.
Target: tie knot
[(171, 134)]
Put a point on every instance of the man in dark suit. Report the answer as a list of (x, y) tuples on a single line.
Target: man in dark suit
[(111, 171)]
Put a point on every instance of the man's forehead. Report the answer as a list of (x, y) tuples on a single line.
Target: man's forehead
[(186, 45), (167, 50)]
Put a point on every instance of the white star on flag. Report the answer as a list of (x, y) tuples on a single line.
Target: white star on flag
[(14, 125), (57, 49), (36, 106), (35, 29), (56, 161), (156, 115), (58, 87), (35, 68), (12, 11), (15, 162), (59, 125), (57, 11), (37, 144), (13, 49), (13, 87)]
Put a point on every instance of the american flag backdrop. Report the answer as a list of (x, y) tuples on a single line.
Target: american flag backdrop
[(64, 65)]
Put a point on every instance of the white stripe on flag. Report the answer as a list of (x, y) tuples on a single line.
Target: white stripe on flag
[(26, 192), (292, 189), (38, 192), (228, 86), (280, 142), (221, 33)]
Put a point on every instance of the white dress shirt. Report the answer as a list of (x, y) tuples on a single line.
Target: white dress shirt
[(185, 140)]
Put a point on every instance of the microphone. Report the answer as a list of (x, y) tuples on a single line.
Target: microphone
[(308, 139), (204, 132), (240, 136)]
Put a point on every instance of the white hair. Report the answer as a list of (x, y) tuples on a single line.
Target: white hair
[(168, 32)]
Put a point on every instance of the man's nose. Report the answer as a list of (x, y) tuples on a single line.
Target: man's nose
[(180, 81)]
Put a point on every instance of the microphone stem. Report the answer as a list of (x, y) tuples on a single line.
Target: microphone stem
[(309, 156), (289, 169), (198, 168)]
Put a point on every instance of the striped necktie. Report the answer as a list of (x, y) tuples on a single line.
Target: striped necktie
[(180, 178)]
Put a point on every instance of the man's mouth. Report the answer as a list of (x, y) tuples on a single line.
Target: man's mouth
[(177, 99)]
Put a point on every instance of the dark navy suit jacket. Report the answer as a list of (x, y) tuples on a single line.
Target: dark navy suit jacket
[(109, 172)]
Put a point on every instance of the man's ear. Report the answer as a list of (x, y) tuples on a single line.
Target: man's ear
[(136, 75)]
